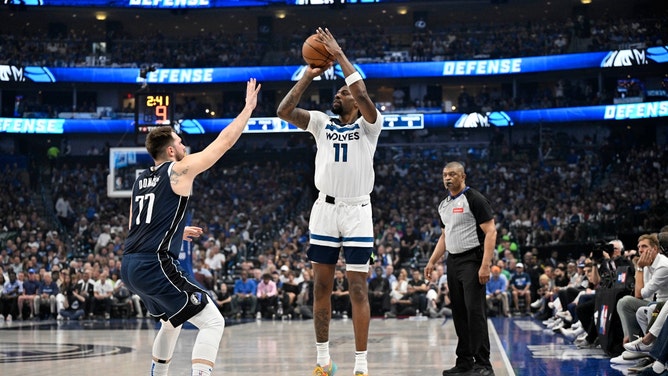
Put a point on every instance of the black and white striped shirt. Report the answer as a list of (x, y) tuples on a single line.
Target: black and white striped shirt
[(461, 216)]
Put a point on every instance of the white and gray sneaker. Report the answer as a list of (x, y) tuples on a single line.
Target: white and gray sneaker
[(620, 360), (627, 357)]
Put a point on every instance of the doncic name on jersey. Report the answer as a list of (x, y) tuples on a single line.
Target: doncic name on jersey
[(148, 182)]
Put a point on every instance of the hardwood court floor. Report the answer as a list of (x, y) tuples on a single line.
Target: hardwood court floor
[(520, 346)]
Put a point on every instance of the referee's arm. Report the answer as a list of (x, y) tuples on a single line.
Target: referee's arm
[(439, 251), (489, 228)]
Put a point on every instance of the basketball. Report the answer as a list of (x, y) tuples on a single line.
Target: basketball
[(314, 53)]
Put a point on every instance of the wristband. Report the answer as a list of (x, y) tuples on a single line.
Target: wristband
[(638, 269), (353, 78)]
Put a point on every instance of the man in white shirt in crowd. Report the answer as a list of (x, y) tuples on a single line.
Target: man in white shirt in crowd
[(104, 291)]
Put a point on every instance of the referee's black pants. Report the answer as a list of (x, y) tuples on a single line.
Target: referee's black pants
[(469, 310)]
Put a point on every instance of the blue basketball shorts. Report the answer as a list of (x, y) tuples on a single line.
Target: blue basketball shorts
[(168, 291)]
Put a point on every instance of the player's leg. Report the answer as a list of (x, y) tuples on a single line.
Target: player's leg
[(163, 348), (357, 231), (361, 314), (323, 283), (211, 325), (323, 253)]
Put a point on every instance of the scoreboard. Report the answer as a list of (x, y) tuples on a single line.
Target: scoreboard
[(153, 110)]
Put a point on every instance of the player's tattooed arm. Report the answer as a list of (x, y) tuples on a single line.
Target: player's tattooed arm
[(287, 108), (176, 175)]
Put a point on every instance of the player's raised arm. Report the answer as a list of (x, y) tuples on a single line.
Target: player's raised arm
[(185, 170), (288, 110), (354, 80)]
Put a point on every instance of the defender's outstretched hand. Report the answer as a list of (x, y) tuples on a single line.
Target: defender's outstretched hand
[(252, 89)]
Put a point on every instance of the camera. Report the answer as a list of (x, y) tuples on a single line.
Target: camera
[(599, 248)]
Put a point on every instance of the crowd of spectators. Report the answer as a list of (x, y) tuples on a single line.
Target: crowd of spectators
[(254, 208), (586, 299), (463, 41), (434, 43)]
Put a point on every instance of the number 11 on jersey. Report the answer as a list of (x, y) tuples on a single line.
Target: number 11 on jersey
[(340, 152)]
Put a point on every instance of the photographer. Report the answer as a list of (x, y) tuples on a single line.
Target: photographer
[(608, 259), (438, 303), (611, 257)]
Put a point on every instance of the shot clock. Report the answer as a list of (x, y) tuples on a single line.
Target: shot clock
[(153, 110)]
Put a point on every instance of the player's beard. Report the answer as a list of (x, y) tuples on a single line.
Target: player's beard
[(337, 108), (179, 155)]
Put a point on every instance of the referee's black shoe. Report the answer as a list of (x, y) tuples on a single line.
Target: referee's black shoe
[(482, 371), (457, 370)]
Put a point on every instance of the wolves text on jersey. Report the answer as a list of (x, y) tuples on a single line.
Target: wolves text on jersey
[(349, 136)]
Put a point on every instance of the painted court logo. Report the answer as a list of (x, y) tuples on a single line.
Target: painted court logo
[(13, 352)]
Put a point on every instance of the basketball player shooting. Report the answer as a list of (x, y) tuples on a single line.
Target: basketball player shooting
[(151, 259), (341, 216)]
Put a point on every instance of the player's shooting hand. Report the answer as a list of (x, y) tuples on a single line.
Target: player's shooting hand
[(326, 37), (191, 232)]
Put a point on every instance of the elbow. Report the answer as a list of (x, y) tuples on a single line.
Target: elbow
[(282, 112)]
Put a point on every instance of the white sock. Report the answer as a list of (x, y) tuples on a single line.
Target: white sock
[(361, 364), (201, 369), (658, 367), (323, 353), (159, 369)]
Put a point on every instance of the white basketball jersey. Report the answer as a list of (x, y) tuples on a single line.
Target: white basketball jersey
[(344, 159)]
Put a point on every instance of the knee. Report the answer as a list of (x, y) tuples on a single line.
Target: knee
[(624, 303), (213, 319), (217, 322), (358, 292)]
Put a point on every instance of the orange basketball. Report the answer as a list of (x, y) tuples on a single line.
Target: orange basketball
[(314, 53)]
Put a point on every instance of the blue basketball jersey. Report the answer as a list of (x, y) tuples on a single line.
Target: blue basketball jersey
[(157, 213)]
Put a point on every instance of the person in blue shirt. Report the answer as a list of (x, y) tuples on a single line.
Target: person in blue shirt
[(46, 295), (30, 286), (520, 287), (244, 299), (497, 291)]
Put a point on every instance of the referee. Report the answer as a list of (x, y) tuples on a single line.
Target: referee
[(469, 236)]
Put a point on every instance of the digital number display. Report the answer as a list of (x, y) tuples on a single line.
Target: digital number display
[(153, 110)]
